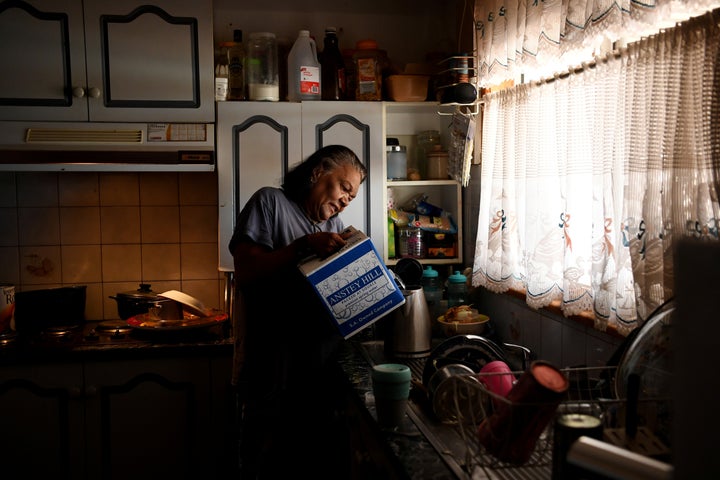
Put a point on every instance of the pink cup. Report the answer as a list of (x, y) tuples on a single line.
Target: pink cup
[(497, 378)]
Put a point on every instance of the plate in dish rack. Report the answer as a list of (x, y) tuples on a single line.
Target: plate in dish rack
[(146, 321)]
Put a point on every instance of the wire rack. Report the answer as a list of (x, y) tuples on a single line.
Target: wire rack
[(462, 402)]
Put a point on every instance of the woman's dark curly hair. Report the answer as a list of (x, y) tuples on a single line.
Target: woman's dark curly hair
[(299, 181)]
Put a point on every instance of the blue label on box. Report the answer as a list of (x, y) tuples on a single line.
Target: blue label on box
[(356, 288)]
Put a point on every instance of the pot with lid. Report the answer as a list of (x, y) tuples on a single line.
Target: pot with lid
[(142, 300)]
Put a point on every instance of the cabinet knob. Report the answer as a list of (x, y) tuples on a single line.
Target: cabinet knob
[(90, 391), (94, 92), (78, 92), (74, 392)]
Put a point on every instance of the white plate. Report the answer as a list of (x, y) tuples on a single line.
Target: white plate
[(192, 304)]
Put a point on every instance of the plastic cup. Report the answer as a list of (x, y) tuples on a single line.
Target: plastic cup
[(391, 387)]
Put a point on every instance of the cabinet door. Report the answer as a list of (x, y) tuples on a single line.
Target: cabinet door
[(149, 419), (42, 53), (359, 126), (41, 425), (257, 142), (151, 63)]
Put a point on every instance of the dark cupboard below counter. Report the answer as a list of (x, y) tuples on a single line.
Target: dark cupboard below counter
[(135, 410)]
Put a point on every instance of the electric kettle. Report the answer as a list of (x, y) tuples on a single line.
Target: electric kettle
[(410, 330)]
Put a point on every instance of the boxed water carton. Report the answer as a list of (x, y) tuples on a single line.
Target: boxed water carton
[(354, 284)]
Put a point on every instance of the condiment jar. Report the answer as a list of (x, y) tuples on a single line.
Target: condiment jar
[(457, 289), (437, 163), (369, 61), (396, 162)]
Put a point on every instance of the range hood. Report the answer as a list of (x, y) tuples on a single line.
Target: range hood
[(83, 146)]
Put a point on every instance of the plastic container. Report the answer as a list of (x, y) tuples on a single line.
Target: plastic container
[(457, 289), (369, 62), (304, 81), (433, 291), (396, 162), (263, 79), (332, 67), (236, 68)]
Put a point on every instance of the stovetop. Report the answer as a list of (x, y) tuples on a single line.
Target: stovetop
[(107, 334)]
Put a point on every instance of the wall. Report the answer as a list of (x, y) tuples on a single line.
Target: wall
[(111, 231)]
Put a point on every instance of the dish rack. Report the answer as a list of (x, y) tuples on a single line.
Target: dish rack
[(466, 402)]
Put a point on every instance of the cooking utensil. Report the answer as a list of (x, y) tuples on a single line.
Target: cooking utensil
[(472, 351), (190, 304), (36, 310), (144, 300), (410, 332)]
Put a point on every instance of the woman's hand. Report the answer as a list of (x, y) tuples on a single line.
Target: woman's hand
[(324, 244)]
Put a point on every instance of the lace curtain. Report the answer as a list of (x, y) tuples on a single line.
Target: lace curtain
[(587, 177)]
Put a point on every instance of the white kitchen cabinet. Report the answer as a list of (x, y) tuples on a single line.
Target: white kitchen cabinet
[(257, 142), (404, 121), (119, 61)]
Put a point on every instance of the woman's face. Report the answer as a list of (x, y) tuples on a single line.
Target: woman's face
[(332, 193)]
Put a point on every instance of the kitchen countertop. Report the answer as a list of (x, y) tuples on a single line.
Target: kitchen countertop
[(125, 343), (423, 447)]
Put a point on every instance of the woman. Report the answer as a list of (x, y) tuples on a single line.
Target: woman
[(287, 340)]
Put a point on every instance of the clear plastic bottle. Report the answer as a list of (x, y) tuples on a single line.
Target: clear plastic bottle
[(369, 62), (304, 81), (457, 289), (236, 68), (332, 67)]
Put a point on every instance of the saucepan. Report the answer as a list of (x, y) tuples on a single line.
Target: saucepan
[(144, 300), (36, 310)]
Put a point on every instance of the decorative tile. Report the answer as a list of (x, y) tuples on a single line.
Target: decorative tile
[(40, 265)]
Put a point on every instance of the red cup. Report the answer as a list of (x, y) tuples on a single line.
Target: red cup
[(497, 378)]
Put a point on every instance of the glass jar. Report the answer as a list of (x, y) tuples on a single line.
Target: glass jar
[(437, 163), (426, 141), (396, 162), (411, 243), (263, 79)]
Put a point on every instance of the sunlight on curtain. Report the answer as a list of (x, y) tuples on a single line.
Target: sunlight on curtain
[(588, 177)]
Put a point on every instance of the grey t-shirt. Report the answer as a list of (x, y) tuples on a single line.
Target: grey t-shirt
[(271, 219)]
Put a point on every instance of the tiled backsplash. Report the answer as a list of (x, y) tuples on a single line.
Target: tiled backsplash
[(111, 231)]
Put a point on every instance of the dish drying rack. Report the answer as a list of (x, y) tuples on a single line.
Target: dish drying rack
[(466, 402)]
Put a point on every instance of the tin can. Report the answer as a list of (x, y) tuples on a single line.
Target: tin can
[(411, 243), (568, 428), (7, 306)]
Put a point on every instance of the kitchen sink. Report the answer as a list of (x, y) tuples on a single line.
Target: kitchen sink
[(457, 443)]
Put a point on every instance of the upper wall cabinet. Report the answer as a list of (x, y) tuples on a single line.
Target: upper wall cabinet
[(119, 61)]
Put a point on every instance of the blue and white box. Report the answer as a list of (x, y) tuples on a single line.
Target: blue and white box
[(354, 284)]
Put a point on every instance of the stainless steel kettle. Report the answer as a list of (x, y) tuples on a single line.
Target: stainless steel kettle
[(410, 329)]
